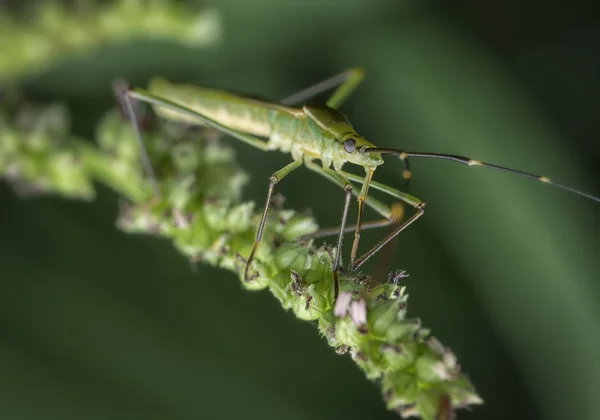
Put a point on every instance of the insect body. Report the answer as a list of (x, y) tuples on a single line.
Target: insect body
[(320, 133), (309, 134)]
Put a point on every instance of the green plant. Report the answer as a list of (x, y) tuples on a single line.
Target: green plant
[(201, 210)]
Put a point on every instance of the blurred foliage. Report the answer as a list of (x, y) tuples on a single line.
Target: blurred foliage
[(37, 155), (505, 271), (44, 32)]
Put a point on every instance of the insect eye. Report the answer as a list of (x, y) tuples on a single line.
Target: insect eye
[(349, 145)]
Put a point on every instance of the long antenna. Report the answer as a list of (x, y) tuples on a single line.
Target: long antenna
[(472, 162)]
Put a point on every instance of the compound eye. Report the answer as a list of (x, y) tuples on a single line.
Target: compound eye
[(349, 145)]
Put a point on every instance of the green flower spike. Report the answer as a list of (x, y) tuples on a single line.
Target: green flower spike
[(200, 210)]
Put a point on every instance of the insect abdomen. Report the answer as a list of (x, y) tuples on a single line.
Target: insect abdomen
[(236, 112)]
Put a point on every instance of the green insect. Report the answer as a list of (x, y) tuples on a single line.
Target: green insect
[(309, 134)]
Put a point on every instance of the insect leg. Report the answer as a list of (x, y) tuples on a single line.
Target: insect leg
[(395, 216), (393, 192), (354, 78), (121, 90), (390, 214), (407, 198), (275, 178), (324, 233), (348, 188), (347, 82), (406, 174), (361, 207)]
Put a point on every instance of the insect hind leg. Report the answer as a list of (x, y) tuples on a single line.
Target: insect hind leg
[(346, 82), (122, 92)]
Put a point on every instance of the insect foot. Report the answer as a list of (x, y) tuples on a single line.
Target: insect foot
[(250, 275)]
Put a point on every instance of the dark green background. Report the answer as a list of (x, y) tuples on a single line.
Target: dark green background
[(97, 324)]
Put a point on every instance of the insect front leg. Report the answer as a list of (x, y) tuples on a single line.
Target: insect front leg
[(275, 178), (361, 207)]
